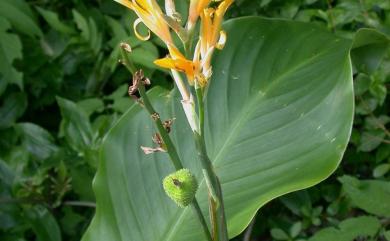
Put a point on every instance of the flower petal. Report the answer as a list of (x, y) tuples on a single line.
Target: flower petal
[(139, 36)]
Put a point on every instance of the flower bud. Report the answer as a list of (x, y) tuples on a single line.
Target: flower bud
[(181, 187)]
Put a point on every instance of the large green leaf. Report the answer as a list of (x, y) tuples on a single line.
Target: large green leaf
[(279, 115)]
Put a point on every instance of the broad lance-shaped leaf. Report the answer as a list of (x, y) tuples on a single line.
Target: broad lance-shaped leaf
[(279, 115)]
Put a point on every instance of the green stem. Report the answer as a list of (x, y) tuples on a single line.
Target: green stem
[(199, 97), (173, 155), (217, 210), (216, 205), (160, 127), (188, 43), (127, 61)]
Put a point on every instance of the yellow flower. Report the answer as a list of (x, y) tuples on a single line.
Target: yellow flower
[(178, 62), (196, 7), (149, 12), (211, 35)]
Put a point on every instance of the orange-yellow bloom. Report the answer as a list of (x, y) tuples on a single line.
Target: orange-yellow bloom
[(149, 12), (178, 62), (198, 70), (211, 36), (196, 8), (211, 26)]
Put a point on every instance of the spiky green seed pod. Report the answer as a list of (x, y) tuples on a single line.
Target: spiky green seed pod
[(181, 187)]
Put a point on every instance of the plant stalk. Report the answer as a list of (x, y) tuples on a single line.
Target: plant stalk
[(126, 61), (166, 139), (160, 127), (217, 211), (216, 205), (188, 43), (173, 155)]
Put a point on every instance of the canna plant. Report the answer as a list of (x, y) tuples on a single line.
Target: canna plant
[(269, 114)]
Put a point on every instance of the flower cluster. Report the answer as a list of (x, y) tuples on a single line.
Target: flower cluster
[(197, 69)]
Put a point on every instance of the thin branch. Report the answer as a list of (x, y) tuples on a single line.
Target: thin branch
[(331, 17), (248, 232), (171, 152)]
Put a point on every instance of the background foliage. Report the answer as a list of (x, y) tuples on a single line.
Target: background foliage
[(61, 89)]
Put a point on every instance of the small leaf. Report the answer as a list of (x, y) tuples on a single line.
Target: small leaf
[(82, 177), (52, 19), (13, 107), (71, 221), (279, 234), (6, 175), (387, 235), (378, 90), (295, 229), (10, 50), (44, 224), (89, 31), (19, 13), (376, 123), (37, 140), (82, 24), (361, 84), (382, 153), (372, 196), (75, 125), (297, 201), (349, 230), (91, 105), (368, 49), (370, 140), (381, 170)]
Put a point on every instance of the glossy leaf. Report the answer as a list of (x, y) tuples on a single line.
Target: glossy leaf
[(278, 117)]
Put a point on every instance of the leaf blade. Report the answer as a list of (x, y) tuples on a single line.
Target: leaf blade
[(283, 94)]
